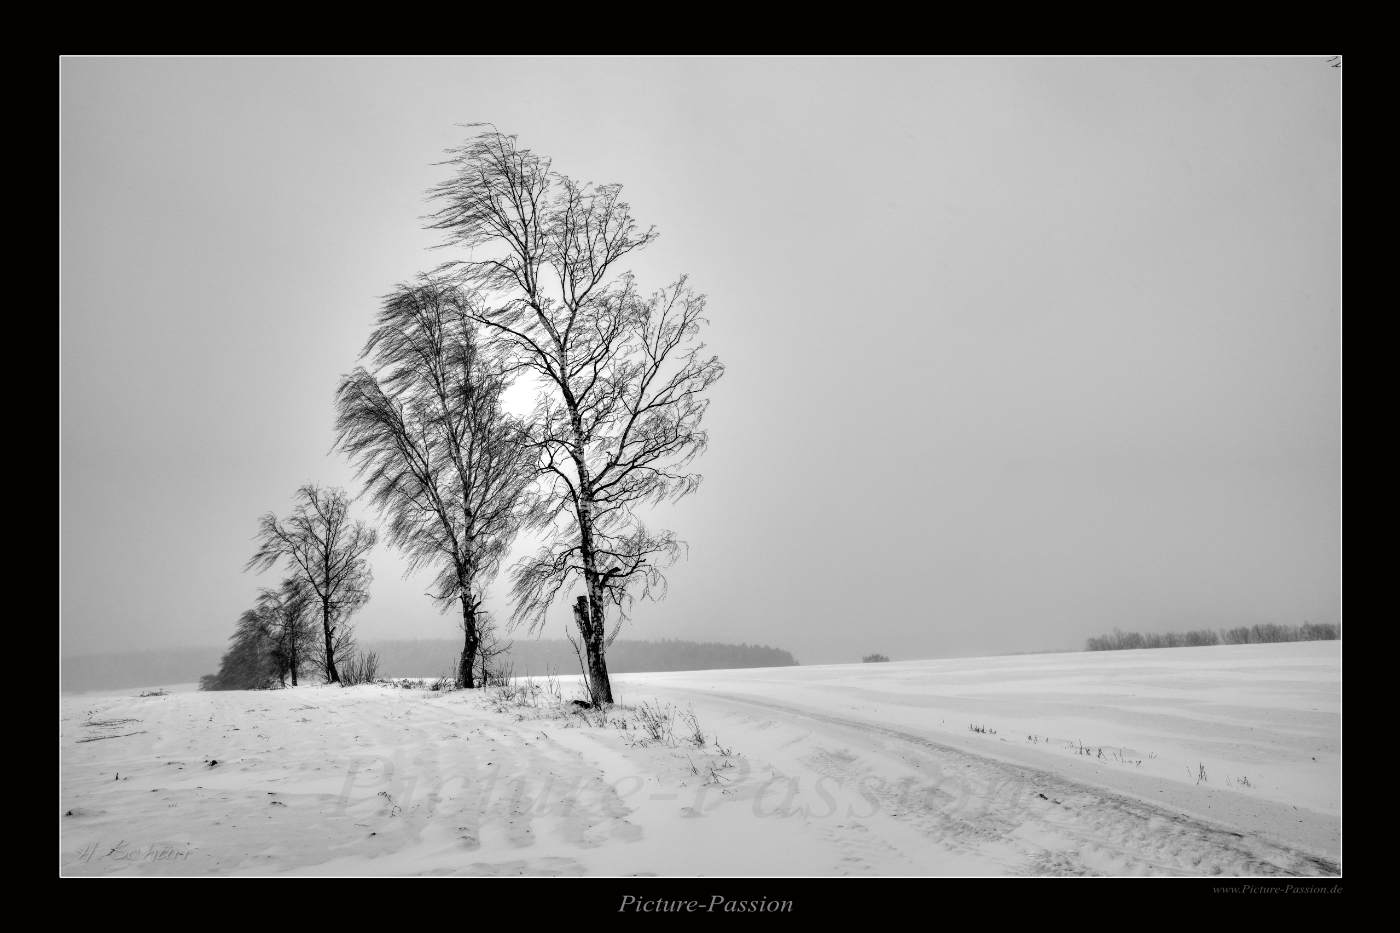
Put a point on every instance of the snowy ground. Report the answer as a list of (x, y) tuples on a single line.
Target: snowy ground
[(1192, 761)]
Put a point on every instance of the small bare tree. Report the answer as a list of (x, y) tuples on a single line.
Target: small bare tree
[(623, 374), (249, 663), (492, 664), (291, 626), (327, 552), (441, 460)]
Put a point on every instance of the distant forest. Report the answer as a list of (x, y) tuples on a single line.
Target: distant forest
[(1252, 635), (433, 657)]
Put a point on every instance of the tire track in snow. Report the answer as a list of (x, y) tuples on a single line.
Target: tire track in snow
[(1055, 826)]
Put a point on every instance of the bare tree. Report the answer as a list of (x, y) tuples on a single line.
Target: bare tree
[(623, 376), (291, 627), (249, 663), (442, 461), (326, 550)]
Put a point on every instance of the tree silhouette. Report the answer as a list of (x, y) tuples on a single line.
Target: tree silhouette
[(326, 551), (443, 463), (290, 626), (624, 380)]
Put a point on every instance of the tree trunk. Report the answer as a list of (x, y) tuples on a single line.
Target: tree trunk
[(583, 625), (466, 671), (332, 676), (589, 612), (598, 672), (599, 685)]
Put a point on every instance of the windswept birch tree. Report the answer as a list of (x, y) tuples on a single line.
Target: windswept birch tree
[(327, 551), (445, 465), (623, 374)]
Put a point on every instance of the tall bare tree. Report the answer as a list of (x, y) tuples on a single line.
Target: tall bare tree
[(327, 551), (623, 374), (442, 461)]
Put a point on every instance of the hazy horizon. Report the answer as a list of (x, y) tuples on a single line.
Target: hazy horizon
[(1018, 350)]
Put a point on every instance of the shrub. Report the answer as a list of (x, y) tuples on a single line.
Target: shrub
[(655, 722), (359, 668)]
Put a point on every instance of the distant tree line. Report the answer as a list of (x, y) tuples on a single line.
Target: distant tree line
[(541, 656), (1243, 635)]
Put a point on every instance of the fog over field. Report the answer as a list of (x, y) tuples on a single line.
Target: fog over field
[(1017, 350)]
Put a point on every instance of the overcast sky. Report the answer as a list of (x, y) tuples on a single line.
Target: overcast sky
[(1018, 350)]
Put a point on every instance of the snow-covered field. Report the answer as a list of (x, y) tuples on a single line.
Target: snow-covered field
[(1191, 761)]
